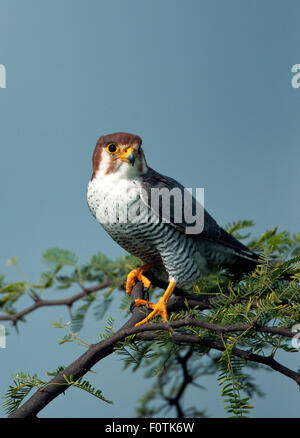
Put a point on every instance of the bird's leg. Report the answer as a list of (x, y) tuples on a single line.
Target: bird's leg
[(137, 275), (139, 302), (160, 308)]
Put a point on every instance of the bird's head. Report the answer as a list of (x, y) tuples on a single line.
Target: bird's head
[(120, 154)]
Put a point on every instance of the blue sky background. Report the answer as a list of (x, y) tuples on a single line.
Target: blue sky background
[(205, 83)]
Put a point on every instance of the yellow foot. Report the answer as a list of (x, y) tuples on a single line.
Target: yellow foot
[(137, 275), (158, 309), (139, 302)]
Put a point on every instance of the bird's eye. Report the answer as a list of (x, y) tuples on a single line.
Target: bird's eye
[(112, 148), (139, 149)]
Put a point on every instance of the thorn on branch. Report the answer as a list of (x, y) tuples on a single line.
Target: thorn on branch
[(34, 296), (70, 310)]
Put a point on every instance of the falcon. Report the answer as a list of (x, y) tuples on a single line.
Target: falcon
[(119, 197)]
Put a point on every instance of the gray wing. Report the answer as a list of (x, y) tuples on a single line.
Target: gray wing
[(211, 231)]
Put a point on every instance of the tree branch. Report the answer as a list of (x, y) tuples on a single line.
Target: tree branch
[(215, 345), (187, 379), (178, 302), (38, 302), (97, 352)]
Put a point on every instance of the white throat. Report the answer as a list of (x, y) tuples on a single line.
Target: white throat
[(122, 186), (122, 170)]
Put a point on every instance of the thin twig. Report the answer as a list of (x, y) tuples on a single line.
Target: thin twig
[(97, 352), (39, 302)]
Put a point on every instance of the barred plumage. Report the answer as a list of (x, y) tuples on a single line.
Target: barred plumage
[(157, 243), (117, 197)]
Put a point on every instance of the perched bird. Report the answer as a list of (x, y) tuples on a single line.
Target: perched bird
[(119, 195)]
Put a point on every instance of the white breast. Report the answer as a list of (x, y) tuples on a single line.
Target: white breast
[(109, 197)]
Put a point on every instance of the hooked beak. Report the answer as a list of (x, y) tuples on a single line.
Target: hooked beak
[(129, 156)]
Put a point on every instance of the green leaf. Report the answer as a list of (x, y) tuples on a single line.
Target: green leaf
[(18, 287), (23, 384), (13, 261), (59, 256)]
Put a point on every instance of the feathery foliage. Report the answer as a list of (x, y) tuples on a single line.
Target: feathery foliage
[(260, 307), (24, 383)]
